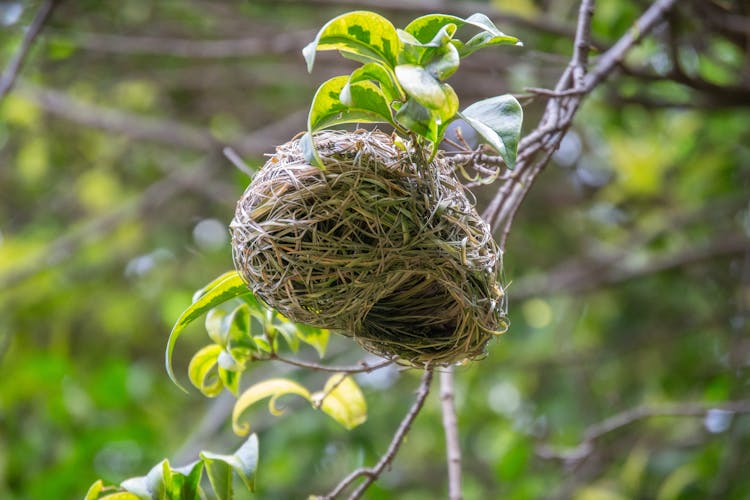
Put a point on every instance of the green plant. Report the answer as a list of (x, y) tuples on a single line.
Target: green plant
[(401, 83), (402, 80)]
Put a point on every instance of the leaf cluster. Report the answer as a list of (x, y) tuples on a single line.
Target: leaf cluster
[(166, 482), (244, 332), (402, 80)]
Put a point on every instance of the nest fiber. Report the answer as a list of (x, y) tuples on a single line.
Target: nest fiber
[(379, 246)]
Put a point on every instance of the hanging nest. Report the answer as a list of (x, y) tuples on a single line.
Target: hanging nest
[(379, 246)]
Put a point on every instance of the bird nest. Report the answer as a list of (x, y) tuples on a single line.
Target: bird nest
[(380, 246)]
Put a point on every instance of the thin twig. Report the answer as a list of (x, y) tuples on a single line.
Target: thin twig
[(8, 78), (237, 161), (363, 367), (627, 417), (554, 93), (450, 425), (371, 474)]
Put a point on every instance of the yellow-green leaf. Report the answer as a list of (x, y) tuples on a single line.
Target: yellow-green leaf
[(366, 103), (361, 35), (221, 468), (273, 388), (342, 400), (421, 85), (94, 490), (225, 287), (200, 370)]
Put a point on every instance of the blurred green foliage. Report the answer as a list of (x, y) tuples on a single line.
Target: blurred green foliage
[(628, 262)]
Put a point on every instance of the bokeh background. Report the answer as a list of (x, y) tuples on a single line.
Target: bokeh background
[(628, 264)]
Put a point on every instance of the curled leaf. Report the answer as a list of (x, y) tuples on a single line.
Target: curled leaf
[(225, 287), (273, 388), (201, 370), (342, 400)]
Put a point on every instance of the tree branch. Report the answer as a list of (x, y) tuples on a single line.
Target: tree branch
[(450, 425), (536, 148), (8, 78), (597, 431), (371, 474), (363, 367)]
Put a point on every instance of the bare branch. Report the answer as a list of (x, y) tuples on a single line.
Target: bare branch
[(237, 161), (8, 78), (625, 418), (371, 474), (535, 149), (450, 425), (363, 367)]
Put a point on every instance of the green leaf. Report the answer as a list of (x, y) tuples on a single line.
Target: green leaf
[(262, 343), (228, 362), (368, 104), (215, 326), (159, 480), (288, 330), (364, 35), (425, 29), (225, 287), (273, 388), (498, 120), (421, 85), (200, 370), (238, 326), (415, 117), (485, 39), (377, 73), (315, 337), (342, 400), (450, 109), (190, 476), (444, 62), (221, 468), (230, 380)]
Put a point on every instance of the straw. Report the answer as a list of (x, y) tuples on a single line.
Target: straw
[(379, 246)]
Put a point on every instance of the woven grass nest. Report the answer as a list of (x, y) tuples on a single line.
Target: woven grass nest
[(378, 246)]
